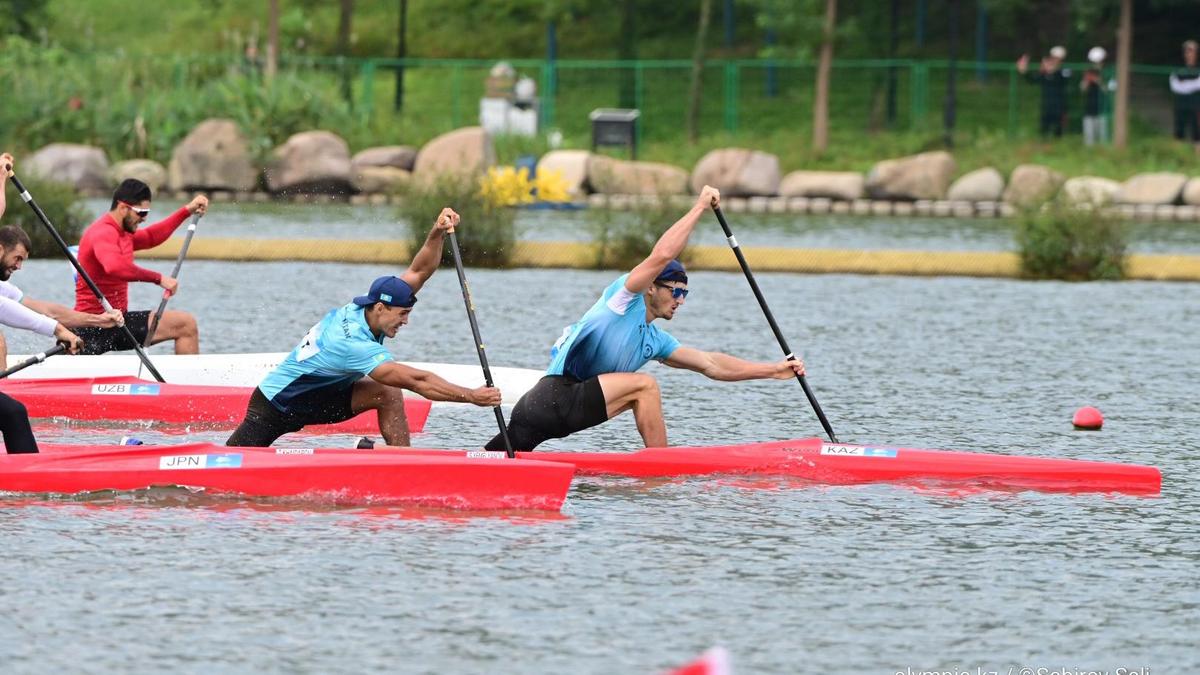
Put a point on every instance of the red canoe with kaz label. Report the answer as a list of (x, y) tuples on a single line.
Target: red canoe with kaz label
[(847, 464)]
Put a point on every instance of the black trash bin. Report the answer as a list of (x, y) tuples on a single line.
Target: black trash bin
[(615, 126)]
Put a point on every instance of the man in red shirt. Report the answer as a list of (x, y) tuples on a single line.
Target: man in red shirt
[(106, 253)]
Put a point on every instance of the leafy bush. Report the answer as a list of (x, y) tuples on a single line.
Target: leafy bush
[(62, 206), (1060, 241), (625, 238), (488, 232)]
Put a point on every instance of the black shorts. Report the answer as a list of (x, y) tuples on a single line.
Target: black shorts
[(264, 423), (556, 407), (101, 340)]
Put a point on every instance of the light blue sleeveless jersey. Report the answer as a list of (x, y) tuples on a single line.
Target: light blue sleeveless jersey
[(336, 352), (612, 337)]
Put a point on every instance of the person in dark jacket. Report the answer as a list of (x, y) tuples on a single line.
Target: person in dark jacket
[(1185, 84), (1095, 129), (1053, 78)]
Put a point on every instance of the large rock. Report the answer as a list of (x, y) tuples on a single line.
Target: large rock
[(310, 162), (1152, 188), (737, 172), (1191, 192), (82, 166), (572, 165), (462, 151), (148, 171), (214, 156), (395, 156), (923, 176), (844, 185), (980, 185), (380, 179), (1032, 183), (1089, 191), (619, 177)]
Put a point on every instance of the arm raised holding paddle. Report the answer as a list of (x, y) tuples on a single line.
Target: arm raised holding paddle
[(341, 368), (593, 375)]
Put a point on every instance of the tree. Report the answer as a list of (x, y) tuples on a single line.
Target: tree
[(627, 51), (1124, 45), (401, 52), (22, 17), (345, 17), (824, 66), (949, 113), (693, 117), (272, 38)]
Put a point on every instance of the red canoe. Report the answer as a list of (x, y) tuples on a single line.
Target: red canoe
[(130, 398), (343, 477), (847, 464)]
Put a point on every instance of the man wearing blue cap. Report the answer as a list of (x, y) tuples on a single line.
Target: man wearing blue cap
[(593, 369), (341, 368)]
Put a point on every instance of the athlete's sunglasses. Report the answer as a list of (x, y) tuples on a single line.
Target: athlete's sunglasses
[(141, 213), (677, 292)]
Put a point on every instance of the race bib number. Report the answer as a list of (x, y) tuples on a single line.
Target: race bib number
[(308, 346)]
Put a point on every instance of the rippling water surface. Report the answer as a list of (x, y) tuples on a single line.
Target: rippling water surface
[(639, 575)]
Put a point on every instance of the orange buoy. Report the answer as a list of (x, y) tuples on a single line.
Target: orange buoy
[(1088, 418)]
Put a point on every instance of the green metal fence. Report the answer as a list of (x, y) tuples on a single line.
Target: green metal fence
[(740, 96)]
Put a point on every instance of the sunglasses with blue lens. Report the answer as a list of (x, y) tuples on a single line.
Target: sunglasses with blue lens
[(677, 292)]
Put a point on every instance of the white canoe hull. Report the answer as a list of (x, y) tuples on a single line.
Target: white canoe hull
[(245, 370)]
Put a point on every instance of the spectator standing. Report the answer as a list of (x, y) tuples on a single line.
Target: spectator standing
[(1053, 78), (1185, 84), (1095, 127)]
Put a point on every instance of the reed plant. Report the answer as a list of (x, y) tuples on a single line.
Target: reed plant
[(62, 205), (488, 232), (1058, 240), (624, 238)]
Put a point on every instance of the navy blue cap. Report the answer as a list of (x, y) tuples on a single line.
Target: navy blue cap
[(673, 272), (391, 291)]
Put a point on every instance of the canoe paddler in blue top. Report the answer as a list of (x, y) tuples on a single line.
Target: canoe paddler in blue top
[(341, 368), (593, 368)]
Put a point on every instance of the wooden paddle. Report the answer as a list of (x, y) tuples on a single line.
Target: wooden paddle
[(28, 199), (487, 371), (762, 302), (162, 305), (34, 360)]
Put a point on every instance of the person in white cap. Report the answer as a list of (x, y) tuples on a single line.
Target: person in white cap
[(1092, 85), (1053, 78)]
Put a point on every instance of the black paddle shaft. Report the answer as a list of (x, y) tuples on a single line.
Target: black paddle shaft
[(34, 360), (162, 305), (762, 302), (487, 371), (28, 199)]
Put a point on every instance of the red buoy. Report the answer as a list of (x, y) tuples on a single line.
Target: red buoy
[(1088, 418)]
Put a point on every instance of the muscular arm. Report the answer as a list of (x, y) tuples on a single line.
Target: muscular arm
[(426, 262), (669, 245), (153, 235), (67, 316), (718, 366), (422, 382)]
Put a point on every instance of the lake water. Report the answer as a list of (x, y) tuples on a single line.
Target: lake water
[(639, 575), (266, 221)]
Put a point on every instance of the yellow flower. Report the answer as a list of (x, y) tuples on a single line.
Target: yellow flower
[(551, 187)]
